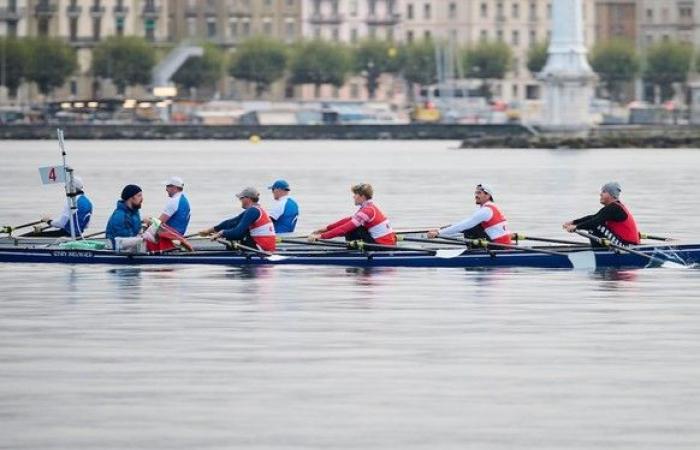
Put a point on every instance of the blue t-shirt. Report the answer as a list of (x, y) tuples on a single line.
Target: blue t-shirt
[(284, 214)]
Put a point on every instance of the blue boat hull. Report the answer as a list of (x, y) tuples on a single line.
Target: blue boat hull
[(686, 254)]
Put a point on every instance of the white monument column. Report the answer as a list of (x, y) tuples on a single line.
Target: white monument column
[(567, 77)]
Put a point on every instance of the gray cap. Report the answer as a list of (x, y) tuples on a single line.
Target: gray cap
[(613, 188), (249, 192)]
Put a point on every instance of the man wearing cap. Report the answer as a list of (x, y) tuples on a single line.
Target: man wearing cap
[(124, 224), (253, 227), (176, 213), (81, 217), (368, 224), (487, 222), (613, 222), (285, 210)]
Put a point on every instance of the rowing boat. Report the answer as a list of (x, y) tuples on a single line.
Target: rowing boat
[(462, 258)]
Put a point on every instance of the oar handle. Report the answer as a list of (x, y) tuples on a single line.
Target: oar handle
[(235, 245), (655, 238), (8, 229)]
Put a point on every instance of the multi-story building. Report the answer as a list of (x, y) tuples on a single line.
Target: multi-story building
[(674, 20), (12, 18), (616, 19), (226, 23)]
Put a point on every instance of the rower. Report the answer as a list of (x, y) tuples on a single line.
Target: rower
[(613, 221), (124, 225), (285, 210), (253, 227), (487, 222), (368, 224), (176, 213), (81, 217)]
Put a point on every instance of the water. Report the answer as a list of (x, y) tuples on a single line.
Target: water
[(294, 357)]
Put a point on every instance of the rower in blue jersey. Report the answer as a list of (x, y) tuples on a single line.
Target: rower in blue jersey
[(124, 225), (285, 210), (81, 217), (176, 213)]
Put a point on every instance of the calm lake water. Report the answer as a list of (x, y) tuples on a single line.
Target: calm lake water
[(98, 357)]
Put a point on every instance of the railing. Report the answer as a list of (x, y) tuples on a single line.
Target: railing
[(11, 14), (97, 11), (151, 11), (120, 10), (74, 10), (45, 9), (332, 18), (389, 19)]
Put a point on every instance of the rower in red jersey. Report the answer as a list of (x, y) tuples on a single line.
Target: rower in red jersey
[(368, 224), (488, 222), (613, 222)]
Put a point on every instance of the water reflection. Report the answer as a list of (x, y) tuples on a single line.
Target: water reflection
[(628, 275)]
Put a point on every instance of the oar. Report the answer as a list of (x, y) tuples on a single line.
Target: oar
[(607, 243), (235, 245), (9, 229), (361, 245), (418, 230), (92, 235), (655, 238), (578, 260), (523, 237)]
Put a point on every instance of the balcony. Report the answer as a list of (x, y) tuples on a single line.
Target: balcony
[(74, 10), (321, 19), (45, 9), (150, 11), (97, 11), (120, 11), (11, 14), (389, 19)]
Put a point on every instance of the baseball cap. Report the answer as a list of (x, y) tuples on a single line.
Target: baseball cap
[(174, 181), (280, 184), (77, 183), (249, 192), (486, 188)]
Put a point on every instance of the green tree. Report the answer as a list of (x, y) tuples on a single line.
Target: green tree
[(668, 63), (202, 70), (417, 61), (126, 60), (537, 57), (320, 62), (487, 61), (616, 63), (14, 63), (52, 61), (371, 59), (259, 60)]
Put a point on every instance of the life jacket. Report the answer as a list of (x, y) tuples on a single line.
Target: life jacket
[(263, 231), (625, 230), (165, 237), (497, 226), (378, 226)]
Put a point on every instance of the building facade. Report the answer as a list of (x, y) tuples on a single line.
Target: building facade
[(674, 20), (616, 19)]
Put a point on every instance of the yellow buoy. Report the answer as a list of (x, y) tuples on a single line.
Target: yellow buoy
[(254, 139)]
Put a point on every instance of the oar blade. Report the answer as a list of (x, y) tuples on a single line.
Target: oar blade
[(277, 258), (673, 265), (584, 260)]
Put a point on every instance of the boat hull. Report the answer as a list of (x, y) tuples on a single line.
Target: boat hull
[(686, 254)]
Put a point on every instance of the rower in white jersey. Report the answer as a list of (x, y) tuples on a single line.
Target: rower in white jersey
[(176, 213), (487, 222)]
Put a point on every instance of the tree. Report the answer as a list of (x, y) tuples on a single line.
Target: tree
[(259, 60), (371, 59), (202, 70), (537, 57), (319, 62), (417, 61), (616, 62), (487, 61), (51, 62), (126, 60), (667, 63), (14, 63)]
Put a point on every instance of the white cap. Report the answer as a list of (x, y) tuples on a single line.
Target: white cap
[(77, 183), (174, 181), (486, 188)]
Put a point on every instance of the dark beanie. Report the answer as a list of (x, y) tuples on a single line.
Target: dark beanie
[(129, 191)]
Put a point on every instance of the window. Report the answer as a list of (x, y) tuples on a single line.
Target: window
[(289, 30), (335, 33), (211, 28), (453, 10), (499, 11), (532, 92), (515, 10), (150, 29), (484, 35), (549, 10), (317, 32), (499, 35), (372, 31), (484, 10), (650, 14), (427, 35), (191, 26), (533, 11), (515, 38), (246, 28), (409, 11), (353, 35), (354, 90), (73, 26), (119, 26), (514, 91), (353, 8), (73, 88), (427, 11), (516, 67), (96, 28), (409, 36), (533, 37), (267, 27)]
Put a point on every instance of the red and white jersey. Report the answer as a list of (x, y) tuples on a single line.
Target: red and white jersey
[(626, 230), (263, 231), (368, 216), (491, 219)]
